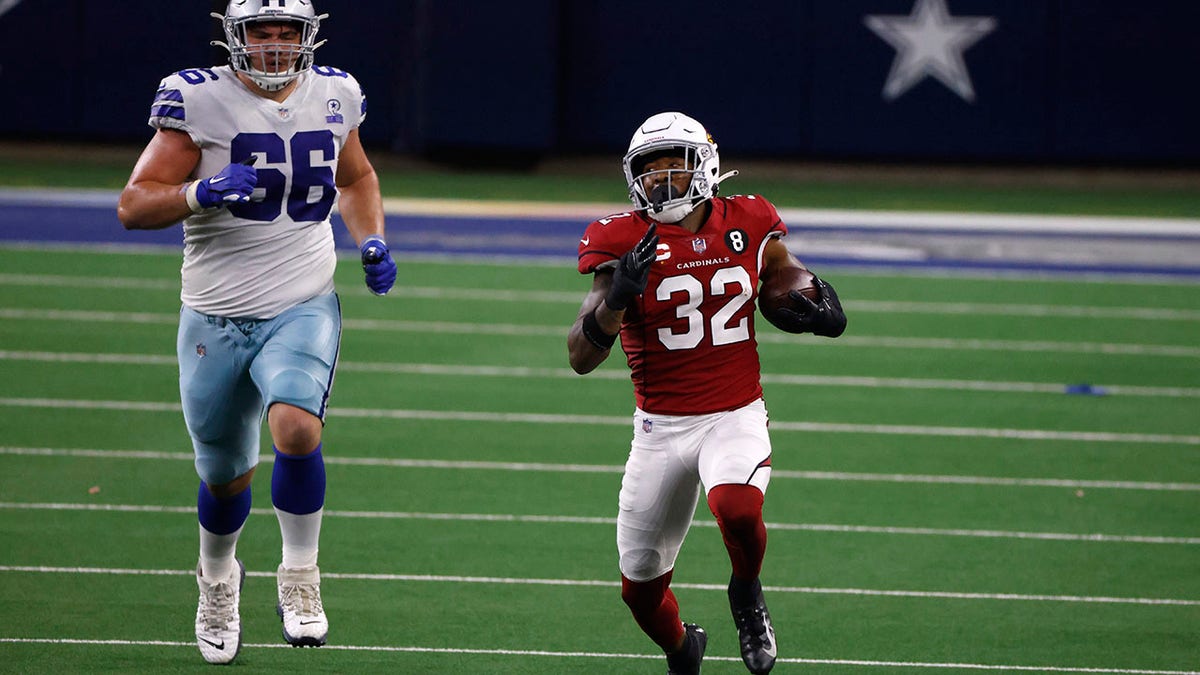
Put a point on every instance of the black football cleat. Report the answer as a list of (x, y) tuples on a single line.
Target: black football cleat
[(687, 660), (755, 632)]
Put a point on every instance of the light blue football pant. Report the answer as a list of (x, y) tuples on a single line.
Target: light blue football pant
[(232, 370)]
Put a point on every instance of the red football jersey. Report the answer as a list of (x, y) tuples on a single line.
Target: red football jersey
[(689, 338)]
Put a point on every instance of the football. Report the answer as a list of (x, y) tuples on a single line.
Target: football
[(773, 294)]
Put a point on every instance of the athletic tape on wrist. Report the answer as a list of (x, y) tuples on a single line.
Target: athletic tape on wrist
[(595, 334), (189, 193)]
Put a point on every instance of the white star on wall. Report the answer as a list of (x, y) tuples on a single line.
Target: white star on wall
[(6, 5), (929, 42)]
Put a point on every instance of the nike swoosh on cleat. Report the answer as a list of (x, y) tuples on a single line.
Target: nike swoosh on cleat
[(308, 623), (210, 642)]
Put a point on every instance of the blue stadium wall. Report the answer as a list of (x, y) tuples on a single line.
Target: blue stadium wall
[(1051, 81)]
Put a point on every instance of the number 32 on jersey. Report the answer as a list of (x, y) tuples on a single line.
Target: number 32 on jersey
[(729, 281)]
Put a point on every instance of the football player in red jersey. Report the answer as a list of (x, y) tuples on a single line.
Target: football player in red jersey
[(677, 279)]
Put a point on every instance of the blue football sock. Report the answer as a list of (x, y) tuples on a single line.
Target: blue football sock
[(222, 516), (298, 492), (298, 482)]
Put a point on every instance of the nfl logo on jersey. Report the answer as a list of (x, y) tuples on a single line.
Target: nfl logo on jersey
[(699, 245)]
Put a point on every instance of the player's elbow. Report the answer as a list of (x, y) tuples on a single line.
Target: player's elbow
[(582, 367), (131, 218), (579, 364), (128, 220), (582, 355)]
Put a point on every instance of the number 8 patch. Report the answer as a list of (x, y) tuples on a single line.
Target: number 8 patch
[(736, 240)]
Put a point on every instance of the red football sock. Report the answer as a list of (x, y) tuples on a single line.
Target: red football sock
[(655, 609), (738, 509)]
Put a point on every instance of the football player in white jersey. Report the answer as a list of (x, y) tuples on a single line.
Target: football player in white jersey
[(251, 157)]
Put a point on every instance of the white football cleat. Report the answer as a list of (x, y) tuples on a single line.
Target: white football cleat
[(218, 625), (304, 622)]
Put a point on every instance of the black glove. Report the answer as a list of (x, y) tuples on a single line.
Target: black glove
[(633, 271), (823, 317)]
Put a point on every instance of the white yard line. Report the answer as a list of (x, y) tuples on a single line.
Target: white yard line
[(566, 373), (594, 583), (573, 298), (614, 420), (602, 655), (1096, 538), (776, 474), (458, 328)]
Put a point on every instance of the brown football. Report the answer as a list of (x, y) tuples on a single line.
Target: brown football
[(773, 293)]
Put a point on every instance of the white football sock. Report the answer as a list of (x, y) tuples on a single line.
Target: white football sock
[(217, 554), (300, 535)]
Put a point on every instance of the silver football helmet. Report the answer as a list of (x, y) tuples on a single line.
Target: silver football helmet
[(672, 134), (270, 65)]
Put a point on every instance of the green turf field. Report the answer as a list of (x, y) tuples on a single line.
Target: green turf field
[(938, 505)]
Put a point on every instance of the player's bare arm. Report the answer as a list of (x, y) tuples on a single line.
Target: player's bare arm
[(359, 199), (361, 207), (585, 354), (621, 286), (154, 196), (776, 256)]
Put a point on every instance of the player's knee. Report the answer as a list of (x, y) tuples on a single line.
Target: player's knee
[(293, 430), (641, 564), (234, 487), (737, 508)]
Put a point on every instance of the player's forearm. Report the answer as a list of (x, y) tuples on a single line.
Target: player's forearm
[(590, 340), (152, 206), (361, 207)]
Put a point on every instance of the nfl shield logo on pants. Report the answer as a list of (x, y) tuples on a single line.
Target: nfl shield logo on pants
[(647, 425), (699, 245)]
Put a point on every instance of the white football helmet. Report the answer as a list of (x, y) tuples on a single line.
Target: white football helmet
[(281, 63), (667, 134)]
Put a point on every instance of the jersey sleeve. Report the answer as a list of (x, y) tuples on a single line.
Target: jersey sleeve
[(606, 240), (358, 100), (169, 110), (767, 216)]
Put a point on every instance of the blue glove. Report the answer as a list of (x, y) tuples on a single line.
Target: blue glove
[(234, 183), (378, 264)]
